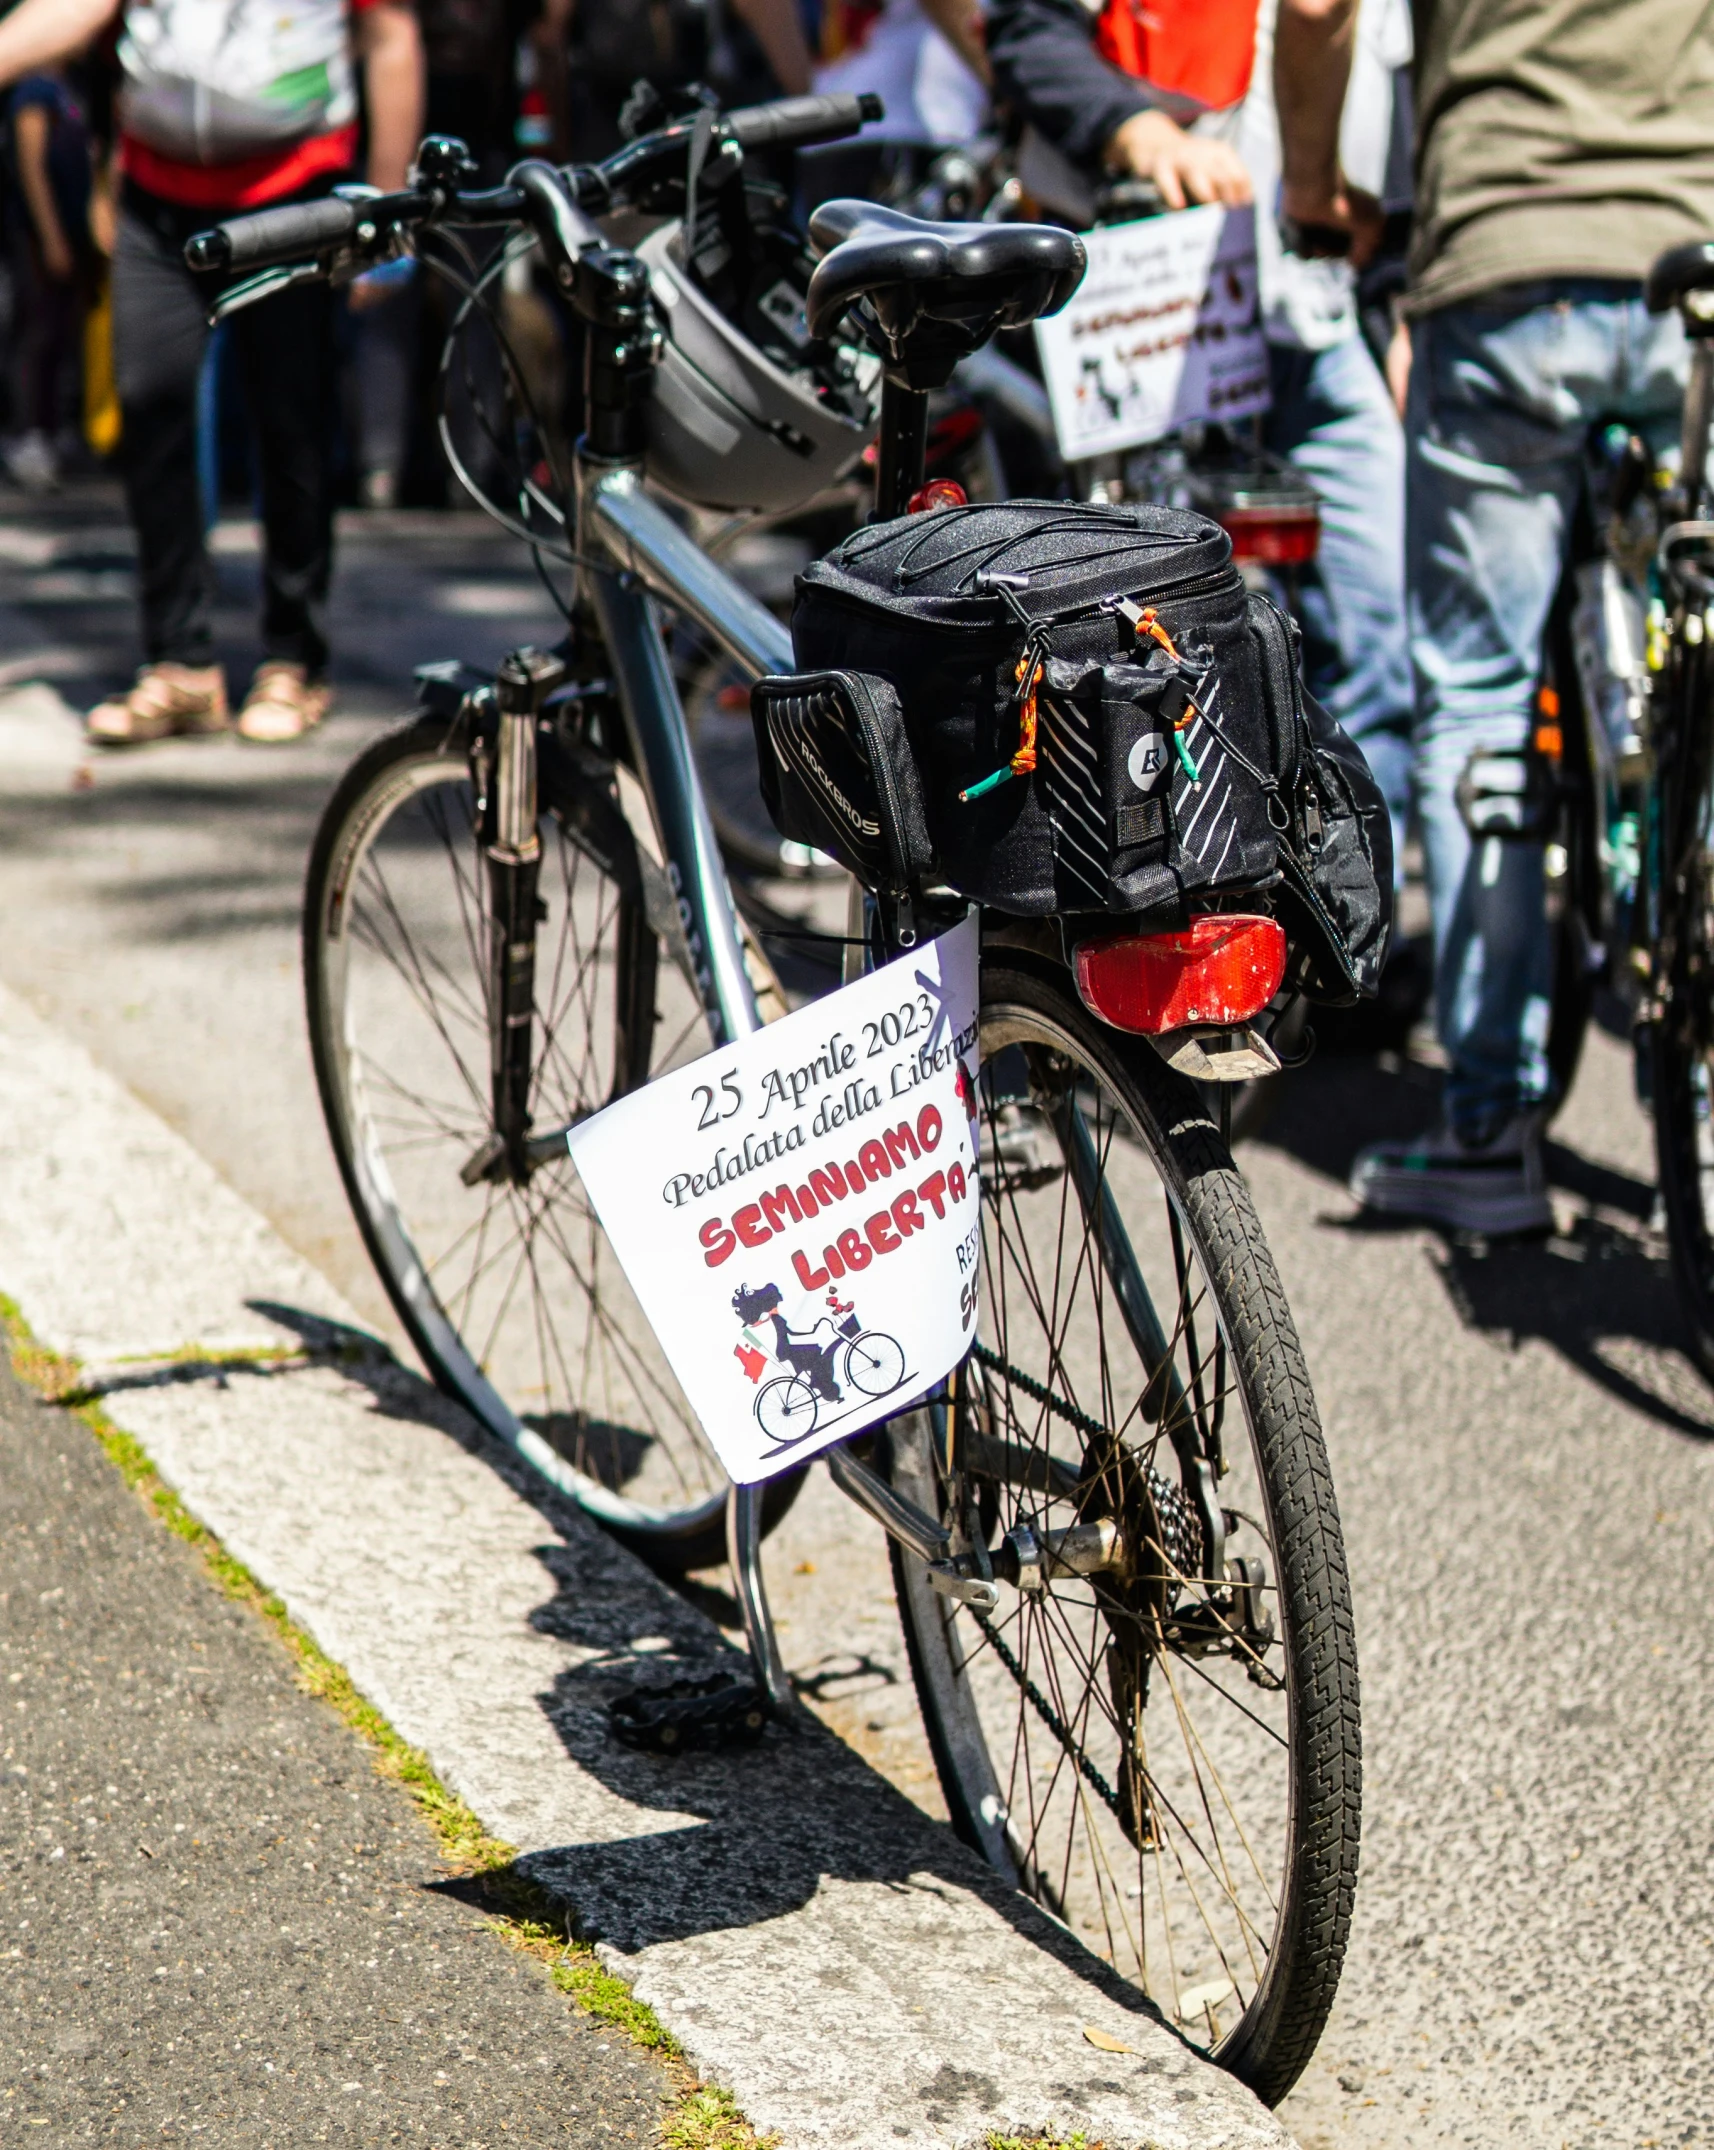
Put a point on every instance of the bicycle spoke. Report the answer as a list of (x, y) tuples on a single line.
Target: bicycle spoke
[(521, 1286)]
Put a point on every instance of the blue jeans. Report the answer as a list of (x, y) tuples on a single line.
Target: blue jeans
[(1333, 420), (1502, 396)]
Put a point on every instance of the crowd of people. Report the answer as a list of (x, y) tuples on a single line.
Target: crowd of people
[(1546, 155)]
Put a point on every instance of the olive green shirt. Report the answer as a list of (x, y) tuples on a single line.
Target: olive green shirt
[(1558, 138)]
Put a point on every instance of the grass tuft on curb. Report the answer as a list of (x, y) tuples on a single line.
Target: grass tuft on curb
[(521, 1913), (1076, 2141)]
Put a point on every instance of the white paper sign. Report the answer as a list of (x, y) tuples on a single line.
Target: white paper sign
[(798, 1214), (1164, 330)]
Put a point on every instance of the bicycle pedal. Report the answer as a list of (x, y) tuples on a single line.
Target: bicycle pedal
[(684, 1714)]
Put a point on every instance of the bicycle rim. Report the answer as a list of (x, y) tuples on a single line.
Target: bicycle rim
[(1129, 1747), (511, 1293)]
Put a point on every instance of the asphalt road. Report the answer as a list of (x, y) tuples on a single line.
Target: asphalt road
[(1523, 1453), (215, 1919)]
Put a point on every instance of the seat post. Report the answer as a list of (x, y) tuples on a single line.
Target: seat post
[(903, 448), (1698, 416)]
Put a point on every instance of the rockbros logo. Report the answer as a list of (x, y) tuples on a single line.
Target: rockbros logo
[(1147, 760)]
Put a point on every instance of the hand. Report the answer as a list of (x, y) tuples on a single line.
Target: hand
[(1183, 167), (1336, 204)]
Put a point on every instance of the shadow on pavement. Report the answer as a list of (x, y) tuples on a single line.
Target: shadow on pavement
[(775, 1820), (1600, 1295)]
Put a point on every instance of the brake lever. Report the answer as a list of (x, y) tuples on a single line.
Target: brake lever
[(263, 286)]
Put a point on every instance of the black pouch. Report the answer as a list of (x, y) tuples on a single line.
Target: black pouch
[(1075, 710), (963, 610), (1335, 897), (837, 772)]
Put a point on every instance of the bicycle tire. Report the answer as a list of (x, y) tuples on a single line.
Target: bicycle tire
[(978, 1712), (394, 982), (1680, 1033)]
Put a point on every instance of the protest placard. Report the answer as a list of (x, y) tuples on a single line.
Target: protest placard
[(799, 1213), (1163, 331)]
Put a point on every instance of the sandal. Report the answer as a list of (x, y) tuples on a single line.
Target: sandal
[(282, 705), (165, 701)]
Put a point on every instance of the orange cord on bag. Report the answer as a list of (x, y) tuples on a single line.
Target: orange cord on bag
[(1145, 622), (1023, 762)]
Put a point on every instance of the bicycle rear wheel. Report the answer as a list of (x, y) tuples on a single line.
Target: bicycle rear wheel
[(1159, 1739), (509, 1290), (1681, 1029)]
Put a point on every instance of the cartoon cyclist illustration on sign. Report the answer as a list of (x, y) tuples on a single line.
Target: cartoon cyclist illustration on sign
[(827, 1354)]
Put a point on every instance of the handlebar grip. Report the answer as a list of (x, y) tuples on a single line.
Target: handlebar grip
[(802, 120), (285, 234)]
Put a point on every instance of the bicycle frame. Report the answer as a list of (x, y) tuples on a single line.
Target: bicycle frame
[(631, 555)]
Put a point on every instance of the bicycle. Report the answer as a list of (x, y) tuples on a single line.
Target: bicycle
[(1616, 781), (1624, 740), (1114, 1537), (788, 1408)]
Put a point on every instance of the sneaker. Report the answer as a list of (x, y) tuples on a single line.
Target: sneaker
[(165, 701), (282, 705), (1498, 1187), (32, 464)]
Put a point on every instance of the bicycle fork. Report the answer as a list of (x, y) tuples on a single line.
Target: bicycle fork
[(514, 860)]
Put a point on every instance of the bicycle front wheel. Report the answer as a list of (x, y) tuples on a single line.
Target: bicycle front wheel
[(506, 1284), (1154, 1732)]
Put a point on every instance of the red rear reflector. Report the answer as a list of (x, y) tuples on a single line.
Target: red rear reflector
[(1220, 973), (1273, 536), (938, 493)]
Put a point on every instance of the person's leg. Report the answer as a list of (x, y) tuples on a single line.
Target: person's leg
[(1502, 396), (1333, 419), (1500, 401), (386, 367), (286, 361), (159, 332), (28, 459)]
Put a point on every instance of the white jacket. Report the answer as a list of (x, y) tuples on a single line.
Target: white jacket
[(216, 81)]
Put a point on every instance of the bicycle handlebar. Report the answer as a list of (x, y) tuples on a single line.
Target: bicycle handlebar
[(251, 242), (306, 229), (799, 122)]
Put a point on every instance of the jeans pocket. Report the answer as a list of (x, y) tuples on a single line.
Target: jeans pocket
[(1505, 384)]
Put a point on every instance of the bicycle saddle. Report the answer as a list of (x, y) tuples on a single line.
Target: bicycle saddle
[(933, 293), (1680, 271)]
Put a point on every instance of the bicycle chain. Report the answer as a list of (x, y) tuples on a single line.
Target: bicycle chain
[(1180, 1528), (1177, 1521), (1050, 1717)]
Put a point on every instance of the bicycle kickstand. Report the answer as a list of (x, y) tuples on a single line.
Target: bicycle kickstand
[(744, 1553)]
